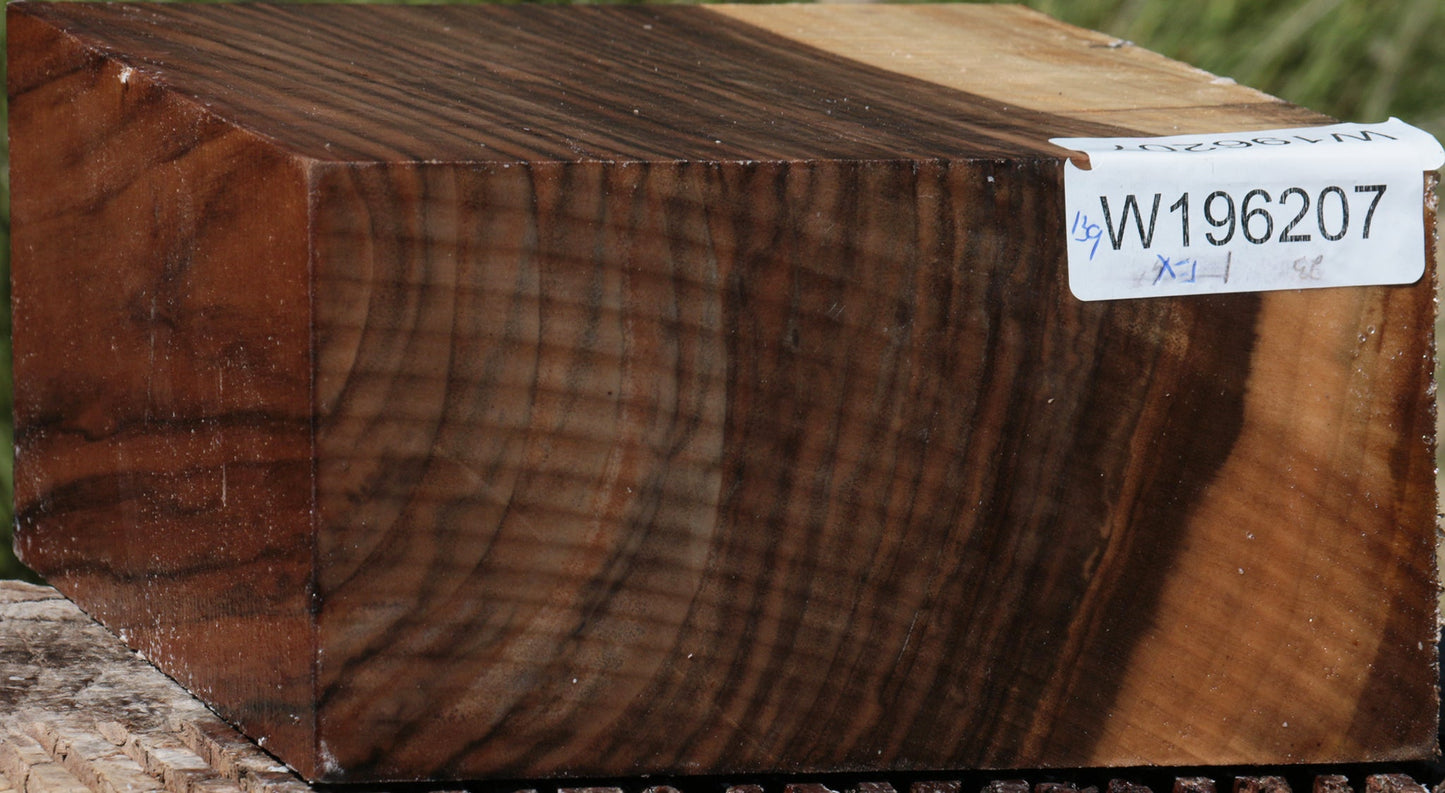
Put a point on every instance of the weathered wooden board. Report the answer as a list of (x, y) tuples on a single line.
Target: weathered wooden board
[(79, 713), (509, 392)]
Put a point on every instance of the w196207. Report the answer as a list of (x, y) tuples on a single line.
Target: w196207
[(1291, 215)]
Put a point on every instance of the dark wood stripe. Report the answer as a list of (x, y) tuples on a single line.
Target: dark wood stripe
[(526, 83)]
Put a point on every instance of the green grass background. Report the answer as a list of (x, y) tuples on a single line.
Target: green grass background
[(1358, 60)]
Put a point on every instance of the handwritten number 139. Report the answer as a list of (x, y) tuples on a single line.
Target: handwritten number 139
[(1085, 231)]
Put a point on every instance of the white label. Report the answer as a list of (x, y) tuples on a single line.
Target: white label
[(1339, 205)]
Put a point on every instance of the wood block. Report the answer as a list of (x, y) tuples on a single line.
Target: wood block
[(515, 392), (1332, 783), (1392, 783), (1261, 784)]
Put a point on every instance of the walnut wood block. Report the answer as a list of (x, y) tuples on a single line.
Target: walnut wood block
[(520, 391)]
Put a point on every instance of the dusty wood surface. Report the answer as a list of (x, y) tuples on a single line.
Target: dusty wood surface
[(505, 401), (79, 711)]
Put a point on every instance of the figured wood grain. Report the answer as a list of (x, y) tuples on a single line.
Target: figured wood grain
[(163, 422), (709, 404), (82, 714)]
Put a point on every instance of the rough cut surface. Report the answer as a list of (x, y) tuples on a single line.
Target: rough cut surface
[(521, 392)]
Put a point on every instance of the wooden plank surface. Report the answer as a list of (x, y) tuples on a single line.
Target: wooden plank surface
[(709, 404)]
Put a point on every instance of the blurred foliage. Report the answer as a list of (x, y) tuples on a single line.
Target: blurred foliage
[(1357, 60)]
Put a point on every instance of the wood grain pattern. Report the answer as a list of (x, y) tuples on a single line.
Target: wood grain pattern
[(1027, 60), (714, 403), (93, 716), (163, 424)]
